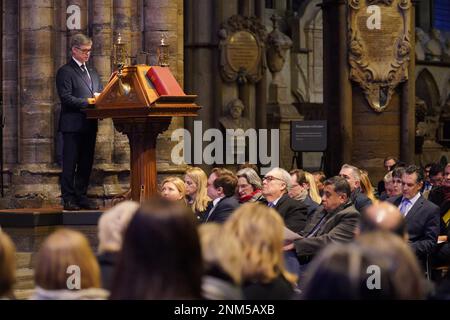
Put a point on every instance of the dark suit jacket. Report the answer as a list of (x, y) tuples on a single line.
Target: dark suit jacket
[(360, 200), (311, 205), (422, 223), (222, 211), (292, 211), (339, 226), (73, 92)]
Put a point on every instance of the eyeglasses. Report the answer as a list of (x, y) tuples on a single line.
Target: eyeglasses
[(84, 50), (271, 178)]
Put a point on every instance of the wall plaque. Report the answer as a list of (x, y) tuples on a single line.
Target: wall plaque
[(379, 47), (242, 49)]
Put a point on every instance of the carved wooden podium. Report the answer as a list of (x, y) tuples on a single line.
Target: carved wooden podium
[(137, 110)]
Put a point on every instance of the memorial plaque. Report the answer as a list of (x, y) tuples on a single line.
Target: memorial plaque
[(379, 47), (308, 136), (241, 49)]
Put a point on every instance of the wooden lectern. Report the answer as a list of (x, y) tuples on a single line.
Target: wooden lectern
[(138, 111)]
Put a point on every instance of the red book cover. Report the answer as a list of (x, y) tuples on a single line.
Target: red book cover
[(164, 81)]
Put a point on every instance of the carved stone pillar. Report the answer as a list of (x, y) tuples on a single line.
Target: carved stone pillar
[(167, 19), (122, 25), (10, 85), (104, 180), (280, 108), (35, 178)]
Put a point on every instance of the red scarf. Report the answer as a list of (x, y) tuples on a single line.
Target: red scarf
[(246, 198)]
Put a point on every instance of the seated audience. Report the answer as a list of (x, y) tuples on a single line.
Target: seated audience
[(421, 216), (111, 229), (313, 189), (7, 266), (276, 185), (173, 189), (366, 186), (300, 190), (353, 176), (222, 185), (319, 178), (66, 269), (259, 230), (161, 256), (334, 221), (196, 183), (397, 186), (222, 258), (378, 265), (389, 164), (436, 178), (388, 187), (249, 185)]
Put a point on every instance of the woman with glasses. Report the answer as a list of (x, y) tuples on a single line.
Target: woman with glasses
[(249, 185)]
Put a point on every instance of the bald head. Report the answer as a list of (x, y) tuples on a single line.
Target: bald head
[(383, 216)]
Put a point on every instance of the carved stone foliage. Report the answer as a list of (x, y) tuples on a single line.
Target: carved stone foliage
[(379, 47), (242, 47)]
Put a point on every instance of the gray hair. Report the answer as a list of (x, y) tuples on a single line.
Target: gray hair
[(355, 171), (285, 176), (251, 176), (80, 39)]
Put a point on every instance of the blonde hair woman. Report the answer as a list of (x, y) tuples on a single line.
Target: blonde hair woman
[(260, 231), (222, 258), (111, 230), (196, 182), (173, 189), (313, 190), (7, 266), (366, 186), (63, 253)]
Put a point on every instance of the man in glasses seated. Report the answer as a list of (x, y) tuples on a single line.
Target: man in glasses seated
[(76, 83), (276, 185)]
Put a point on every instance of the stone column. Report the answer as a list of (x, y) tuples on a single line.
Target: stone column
[(166, 18), (10, 82), (408, 105), (261, 86), (280, 109), (337, 87), (36, 85), (104, 180), (122, 24)]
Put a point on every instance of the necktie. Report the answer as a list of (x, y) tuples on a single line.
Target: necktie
[(404, 206), (271, 205), (86, 76)]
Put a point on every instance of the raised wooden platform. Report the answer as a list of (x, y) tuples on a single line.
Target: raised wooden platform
[(29, 218)]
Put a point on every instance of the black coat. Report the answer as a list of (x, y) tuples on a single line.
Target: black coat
[(222, 210), (422, 223), (292, 211), (73, 92)]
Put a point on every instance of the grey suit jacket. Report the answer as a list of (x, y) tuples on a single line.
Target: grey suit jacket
[(339, 226)]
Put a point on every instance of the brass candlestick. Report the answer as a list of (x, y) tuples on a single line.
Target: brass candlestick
[(120, 60), (163, 52)]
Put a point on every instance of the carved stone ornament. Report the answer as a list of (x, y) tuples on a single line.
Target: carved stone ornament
[(242, 49), (379, 47)]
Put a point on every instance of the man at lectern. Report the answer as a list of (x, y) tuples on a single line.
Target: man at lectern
[(77, 84)]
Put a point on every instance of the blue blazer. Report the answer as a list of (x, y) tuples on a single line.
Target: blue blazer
[(422, 223), (73, 91)]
